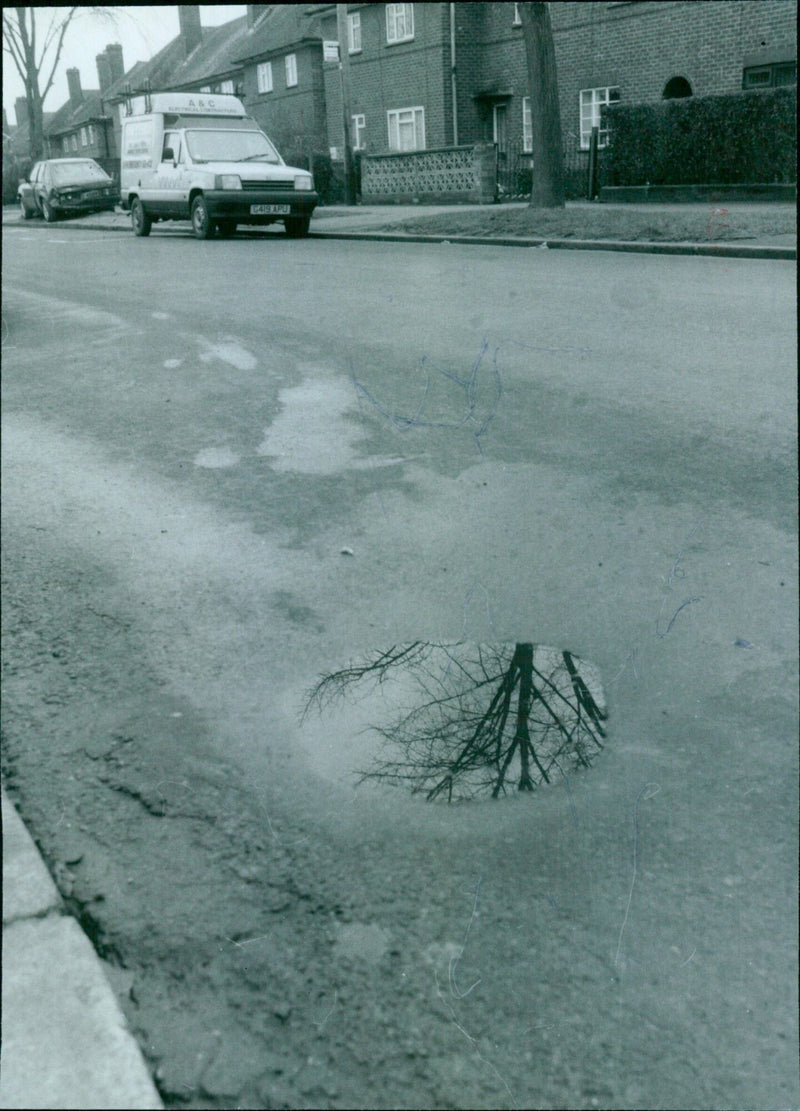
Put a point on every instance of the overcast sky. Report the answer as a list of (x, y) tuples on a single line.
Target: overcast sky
[(141, 30)]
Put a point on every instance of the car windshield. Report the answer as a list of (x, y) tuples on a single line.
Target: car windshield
[(231, 146), (65, 172)]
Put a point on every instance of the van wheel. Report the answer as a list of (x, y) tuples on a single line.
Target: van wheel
[(140, 221), (226, 228), (202, 224), (297, 226), (48, 211)]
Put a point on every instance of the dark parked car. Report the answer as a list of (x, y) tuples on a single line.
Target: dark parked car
[(63, 185)]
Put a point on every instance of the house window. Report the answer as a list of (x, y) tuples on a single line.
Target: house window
[(527, 125), (84, 139), (399, 22), (517, 17), (75, 142), (264, 77), (291, 70), (770, 76), (406, 128), (66, 144), (593, 101), (226, 87), (358, 133), (91, 134), (206, 89), (354, 32)]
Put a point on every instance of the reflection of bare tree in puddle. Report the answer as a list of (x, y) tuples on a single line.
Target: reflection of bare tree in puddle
[(481, 715)]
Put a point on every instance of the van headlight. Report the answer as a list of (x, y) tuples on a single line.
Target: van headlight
[(227, 181), (303, 181)]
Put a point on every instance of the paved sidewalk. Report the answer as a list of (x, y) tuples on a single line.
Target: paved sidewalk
[(365, 222), (65, 1042)]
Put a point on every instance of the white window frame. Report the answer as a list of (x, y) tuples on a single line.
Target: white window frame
[(227, 86), (264, 77), (358, 125), (517, 17), (590, 105), (75, 141), (354, 33), (290, 61), (91, 133), (66, 144), (527, 126), (395, 120), (84, 137), (206, 89), (399, 23)]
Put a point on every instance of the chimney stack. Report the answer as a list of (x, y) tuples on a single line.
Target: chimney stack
[(103, 71), (254, 13), (74, 82), (21, 110), (114, 55), (191, 30)]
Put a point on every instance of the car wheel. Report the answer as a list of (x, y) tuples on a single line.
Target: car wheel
[(202, 224), (226, 228), (48, 211), (297, 226), (140, 221), (26, 214)]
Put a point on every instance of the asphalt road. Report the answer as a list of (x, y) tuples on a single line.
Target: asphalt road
[(231, 466)]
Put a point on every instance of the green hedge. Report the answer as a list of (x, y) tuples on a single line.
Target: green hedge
[(745, 138)]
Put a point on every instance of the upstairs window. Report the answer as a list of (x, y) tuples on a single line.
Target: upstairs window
[(592, 102), (291, 70), (84, 138), (406, 128), (354, 32), (517, 17), (91, 133), (264, 77), (226, 87), (399, 22)]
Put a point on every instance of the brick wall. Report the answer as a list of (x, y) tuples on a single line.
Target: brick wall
[(293, 117), (402, 75)]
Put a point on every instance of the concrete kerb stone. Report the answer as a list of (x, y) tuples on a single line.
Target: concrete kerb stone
[(65, 1040), (713, 250)]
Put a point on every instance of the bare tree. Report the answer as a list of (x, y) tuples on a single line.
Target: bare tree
[(473, 718), (35, 57), (548, 160)]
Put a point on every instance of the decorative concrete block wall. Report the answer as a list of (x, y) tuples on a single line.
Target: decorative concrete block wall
[(448, 175)]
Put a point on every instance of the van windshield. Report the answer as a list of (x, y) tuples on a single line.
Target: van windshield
[(230, 146)]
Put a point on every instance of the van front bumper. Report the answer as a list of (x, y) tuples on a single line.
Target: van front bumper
[(251, 206)]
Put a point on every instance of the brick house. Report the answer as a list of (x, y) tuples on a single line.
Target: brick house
[(439, 75), (83, 127), (283, 86)]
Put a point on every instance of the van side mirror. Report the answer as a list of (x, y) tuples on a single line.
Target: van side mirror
[(169, 156)]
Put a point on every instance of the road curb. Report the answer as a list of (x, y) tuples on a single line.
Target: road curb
[(711, 250), (65, 1039), (714, 250)]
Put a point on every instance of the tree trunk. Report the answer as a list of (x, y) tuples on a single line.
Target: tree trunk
[(548, 160)]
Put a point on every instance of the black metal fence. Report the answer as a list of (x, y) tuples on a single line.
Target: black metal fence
[(515, 171)]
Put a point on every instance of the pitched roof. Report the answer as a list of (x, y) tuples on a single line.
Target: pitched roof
[(171, 69), (280, 26), (71, 115)]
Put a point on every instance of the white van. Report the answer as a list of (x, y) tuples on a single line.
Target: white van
[(199, 157)]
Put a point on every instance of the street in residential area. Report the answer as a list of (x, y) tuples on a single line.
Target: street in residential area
[(232, 466)]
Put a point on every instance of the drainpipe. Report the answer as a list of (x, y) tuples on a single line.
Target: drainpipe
[(453, 72)]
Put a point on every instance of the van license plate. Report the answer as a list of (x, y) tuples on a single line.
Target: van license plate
[(270, 209)]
